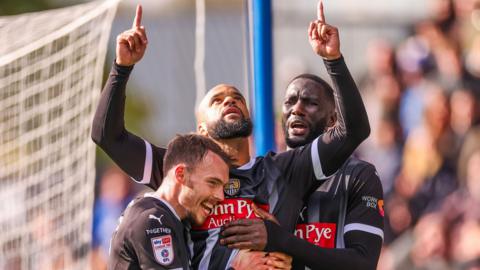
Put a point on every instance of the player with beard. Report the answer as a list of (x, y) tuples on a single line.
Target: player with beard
[(342, 222), (275, 182), (151, 233)]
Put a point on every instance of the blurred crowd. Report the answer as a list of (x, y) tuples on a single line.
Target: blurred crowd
[(422, 96), (113, 193)]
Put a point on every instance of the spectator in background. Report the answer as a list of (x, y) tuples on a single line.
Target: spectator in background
[(463, 107), (380, 60), (461, 208), (383, 149), (428, 171), (464, 20), (446, 238), (381, 92), (472, 60), (413, 58), (464, 251), (430, 244), (115, 192)]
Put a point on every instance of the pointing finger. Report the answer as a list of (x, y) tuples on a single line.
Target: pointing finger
[(239, 222), (320, 14), (236, 230), (138, 17)]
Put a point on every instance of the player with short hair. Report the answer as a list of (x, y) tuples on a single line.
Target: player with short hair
[(276, 182), (342, 222), (153, 231)]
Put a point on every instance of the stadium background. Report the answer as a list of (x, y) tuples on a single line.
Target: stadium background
[(417, 64)]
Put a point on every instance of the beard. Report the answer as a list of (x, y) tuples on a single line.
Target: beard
[(229, 130), (313, 132)]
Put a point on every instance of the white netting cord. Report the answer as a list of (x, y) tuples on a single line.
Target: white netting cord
[(48, 89), (199, 63)]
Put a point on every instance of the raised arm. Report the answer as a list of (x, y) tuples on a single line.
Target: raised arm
[(138, 158), (338, 143)]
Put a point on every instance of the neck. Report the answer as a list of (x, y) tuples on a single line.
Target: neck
[(170, 193), (237, 149)]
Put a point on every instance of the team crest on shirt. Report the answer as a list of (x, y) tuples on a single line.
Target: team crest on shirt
[(380, 208), (163, 249), (232, 187)]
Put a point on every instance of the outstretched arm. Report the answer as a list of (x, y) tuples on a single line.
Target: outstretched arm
[(362, 232), (362, 248), (337, 144), (138, 158), (362, 251), (362, 229)]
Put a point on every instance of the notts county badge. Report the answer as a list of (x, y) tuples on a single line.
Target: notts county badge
[(232, 187)]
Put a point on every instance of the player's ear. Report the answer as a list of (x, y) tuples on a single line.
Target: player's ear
[(332, 119), (202, 129), (180, 172)]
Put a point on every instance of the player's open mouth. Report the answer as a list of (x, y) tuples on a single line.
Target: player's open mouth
[(232, 111), (298, 128), (207, 208)]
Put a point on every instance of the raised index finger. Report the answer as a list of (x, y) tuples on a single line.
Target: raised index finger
[(138, 17), (320, 14)]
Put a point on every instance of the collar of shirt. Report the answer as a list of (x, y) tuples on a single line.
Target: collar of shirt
[(152, 195)]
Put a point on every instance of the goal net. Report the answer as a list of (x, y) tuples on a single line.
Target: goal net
[(51, 66)]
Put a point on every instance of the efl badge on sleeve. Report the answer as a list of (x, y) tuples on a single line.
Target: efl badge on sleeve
[(163, 249)]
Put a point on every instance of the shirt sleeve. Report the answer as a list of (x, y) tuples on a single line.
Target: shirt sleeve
[(361, 251), (363, 231), (141, 160), (365, 210), (155, 242), (336, 145)]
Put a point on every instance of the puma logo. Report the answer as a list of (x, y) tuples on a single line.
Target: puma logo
[(156, 218)]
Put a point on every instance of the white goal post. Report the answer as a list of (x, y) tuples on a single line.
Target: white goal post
[(51, 69)]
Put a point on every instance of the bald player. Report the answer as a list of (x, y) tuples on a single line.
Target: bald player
[(276, 183)]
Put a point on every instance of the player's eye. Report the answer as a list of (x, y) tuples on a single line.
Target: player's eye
[(212, 183), (288, 102), (216, 101), (239, 98)]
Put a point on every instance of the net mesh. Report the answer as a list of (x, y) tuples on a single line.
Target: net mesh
[(51, 66)]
